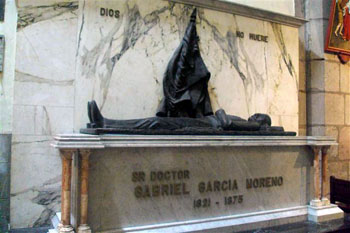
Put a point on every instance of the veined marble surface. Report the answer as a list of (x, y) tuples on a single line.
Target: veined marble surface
[(43, 106), (120, 62), (112, 197), (67, 54), (8, 30), (280, 6)]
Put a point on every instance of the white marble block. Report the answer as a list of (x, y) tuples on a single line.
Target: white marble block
[(140, 187), (324, 213)]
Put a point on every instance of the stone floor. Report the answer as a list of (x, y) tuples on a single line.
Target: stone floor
[(336, 226), (31, 230)]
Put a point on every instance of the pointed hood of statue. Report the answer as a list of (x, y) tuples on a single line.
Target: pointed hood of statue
[(185, 82)]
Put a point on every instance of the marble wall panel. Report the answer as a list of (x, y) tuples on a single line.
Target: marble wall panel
[(120, 62), (43, 107), (49, 54), (36, 90), (8, 30), (42, 120), (35, 181), (32, 156)]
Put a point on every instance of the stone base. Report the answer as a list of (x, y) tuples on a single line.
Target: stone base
[(271, 131), (84, 229), (241, 222), (325, 201), (316, 203), (66, 229), (324, 213)]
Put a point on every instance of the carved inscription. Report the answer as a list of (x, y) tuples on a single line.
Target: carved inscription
[(176, 183), (264, 182), (109, 12), (253, 36), (257, 37), (217, 186)]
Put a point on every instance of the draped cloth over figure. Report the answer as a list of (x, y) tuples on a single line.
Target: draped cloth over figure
[(185, 83)]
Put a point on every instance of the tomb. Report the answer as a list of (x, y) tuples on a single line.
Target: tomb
[(122, 181)]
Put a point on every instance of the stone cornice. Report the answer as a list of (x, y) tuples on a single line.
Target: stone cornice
[(250, 12)]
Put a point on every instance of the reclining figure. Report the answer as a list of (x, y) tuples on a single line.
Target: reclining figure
[(218, 122)]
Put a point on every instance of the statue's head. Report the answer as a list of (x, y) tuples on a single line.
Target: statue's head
[(262, 119)]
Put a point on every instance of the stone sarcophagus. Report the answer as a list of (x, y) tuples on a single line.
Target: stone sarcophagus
[(135, 183)]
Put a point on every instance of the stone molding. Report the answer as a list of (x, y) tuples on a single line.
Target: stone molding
[(250, 12), (77, 141), (245, 221), (224, 6)]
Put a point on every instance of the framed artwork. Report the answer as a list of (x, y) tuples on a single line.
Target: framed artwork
[(338, 33)]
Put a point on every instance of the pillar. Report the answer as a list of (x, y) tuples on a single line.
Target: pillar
[(66, 157), (84, 182), (324, 199), (317, 179)]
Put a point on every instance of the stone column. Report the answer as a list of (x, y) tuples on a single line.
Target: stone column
[(84, 182), (317, 194), (66, 156), (324, 199), (321, 210)]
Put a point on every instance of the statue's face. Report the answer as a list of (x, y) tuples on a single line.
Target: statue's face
[(262, 119)]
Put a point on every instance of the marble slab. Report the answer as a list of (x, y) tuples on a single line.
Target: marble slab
[(43, 105), (35, 181), (76, 141), (8, 30), (118, 196)]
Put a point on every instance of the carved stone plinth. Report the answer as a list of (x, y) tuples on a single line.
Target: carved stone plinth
[(324, 213)]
